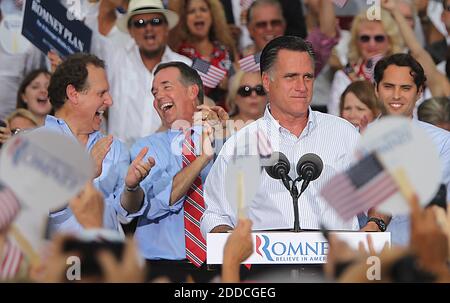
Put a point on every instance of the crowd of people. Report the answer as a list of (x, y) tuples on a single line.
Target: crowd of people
[(161, 141)]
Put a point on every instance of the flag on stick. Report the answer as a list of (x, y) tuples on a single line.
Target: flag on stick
[(365, 185), (250, 63), (9, 207), (210, 75)]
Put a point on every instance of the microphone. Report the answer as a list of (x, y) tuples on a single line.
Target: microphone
[(309, 168), (279, 169)]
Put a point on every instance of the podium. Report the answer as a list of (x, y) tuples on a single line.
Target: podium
[(291, 248)]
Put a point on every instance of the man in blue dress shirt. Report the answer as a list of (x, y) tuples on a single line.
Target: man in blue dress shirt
[(79, 93), (160, 231)]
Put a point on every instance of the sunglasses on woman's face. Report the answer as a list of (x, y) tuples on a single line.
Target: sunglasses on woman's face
[(246, 90), (377, 38), (141, 23)]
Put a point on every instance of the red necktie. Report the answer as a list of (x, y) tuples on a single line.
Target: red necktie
[(194, 206)]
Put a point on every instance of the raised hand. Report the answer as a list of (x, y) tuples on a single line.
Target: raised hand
[(99, 151), (139, 169), (207, 138), (389, 5), (88, 207), (55, 60)]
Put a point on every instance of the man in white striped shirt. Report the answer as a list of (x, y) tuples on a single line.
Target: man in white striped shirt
[(287, 67)]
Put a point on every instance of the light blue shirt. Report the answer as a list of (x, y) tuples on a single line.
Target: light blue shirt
[(109, 183), (160, 230), (400, 225), (331, 138)]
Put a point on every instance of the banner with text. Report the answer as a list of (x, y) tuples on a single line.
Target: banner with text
[(46, 25)]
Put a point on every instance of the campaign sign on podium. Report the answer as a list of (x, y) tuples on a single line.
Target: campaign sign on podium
[(291, 248)]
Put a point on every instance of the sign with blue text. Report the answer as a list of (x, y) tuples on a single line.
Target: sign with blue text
[(292, 248), (46, 25)]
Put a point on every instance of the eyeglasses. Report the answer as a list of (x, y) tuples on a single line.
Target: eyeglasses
[(265, 24), (141, 23), (246, 91), (377, 38)]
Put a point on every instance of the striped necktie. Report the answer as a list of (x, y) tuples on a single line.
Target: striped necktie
[(194, 206)]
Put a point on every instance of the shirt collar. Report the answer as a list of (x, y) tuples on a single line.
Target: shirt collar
[(52, 122), (310, 125)]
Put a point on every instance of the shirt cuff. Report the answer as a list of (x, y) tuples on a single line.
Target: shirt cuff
[(123, 215)]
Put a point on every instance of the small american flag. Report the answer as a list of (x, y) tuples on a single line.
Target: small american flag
[(370, 66), (361, 187), (211, 75), (12, 261), (250, 63), (9, 207), (340, 3), (245, 4)]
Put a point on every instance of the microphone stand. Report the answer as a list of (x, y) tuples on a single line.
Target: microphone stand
[(295, 196)]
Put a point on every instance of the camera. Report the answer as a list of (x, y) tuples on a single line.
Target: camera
[(87, 248)]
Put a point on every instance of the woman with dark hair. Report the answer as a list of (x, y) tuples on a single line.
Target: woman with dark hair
[(203, 33), (33, 94), (359, 104)]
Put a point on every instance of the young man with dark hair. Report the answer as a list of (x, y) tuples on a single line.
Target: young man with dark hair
[(399, 83)]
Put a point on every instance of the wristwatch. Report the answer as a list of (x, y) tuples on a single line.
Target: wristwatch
[(132, 189), (381, 224)]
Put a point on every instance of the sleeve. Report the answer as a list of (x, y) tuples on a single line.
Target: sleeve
[(218, 210), (445, 156), (339, 84), (322, 45), (157, 185)]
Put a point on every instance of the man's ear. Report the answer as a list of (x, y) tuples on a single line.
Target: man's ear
[(419, 93), (376, 91), (72, 94), (193, 91), (266, 81)]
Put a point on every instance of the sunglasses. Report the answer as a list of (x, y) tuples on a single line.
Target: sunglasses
[(246, 91), (265, 24), (141, 23), (16, 131), (377, 38)]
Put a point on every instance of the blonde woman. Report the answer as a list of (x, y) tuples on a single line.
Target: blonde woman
[(19, 120), (370, 40), (246, 98)]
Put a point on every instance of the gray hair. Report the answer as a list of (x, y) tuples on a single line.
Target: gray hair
[(257, 3)]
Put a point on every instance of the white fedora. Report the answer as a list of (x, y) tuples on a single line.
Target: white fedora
[(137, 7)]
